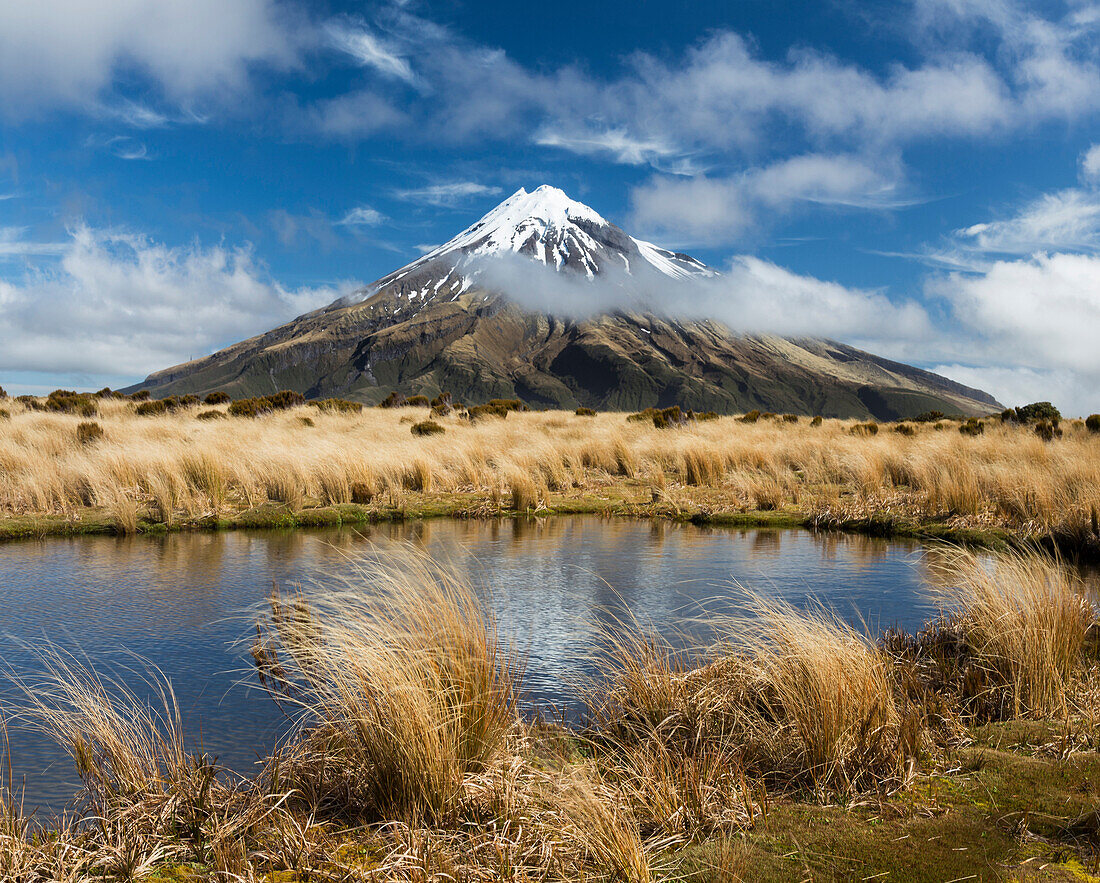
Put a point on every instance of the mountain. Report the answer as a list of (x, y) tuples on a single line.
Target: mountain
[(447, 321)]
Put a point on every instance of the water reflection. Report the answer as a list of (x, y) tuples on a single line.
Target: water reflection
[(185, 601)]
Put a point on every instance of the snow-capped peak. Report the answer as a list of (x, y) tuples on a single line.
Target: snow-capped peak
[(546, 226)]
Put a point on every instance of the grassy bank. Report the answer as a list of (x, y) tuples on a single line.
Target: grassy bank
[(305, 465), (795, 748)]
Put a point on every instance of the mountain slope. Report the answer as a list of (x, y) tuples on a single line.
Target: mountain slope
[(442, 323)]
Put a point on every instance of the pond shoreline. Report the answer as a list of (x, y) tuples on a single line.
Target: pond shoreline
[(273, 516)]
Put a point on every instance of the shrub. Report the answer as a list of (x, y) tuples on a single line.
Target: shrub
[(816, 421), (869, 428), (108, 393), (670, 417), (929, 417), (3, 393), (705, 415), (217, 398), (427, 427), (750, 417), (152, 408), (585, 412), (1008, 415), (1047, 431), (645, 416), (393, 400), (442, 405), (211, 415), (495, 408), (86, 433), (790, 418), (1038, 411), (337, 406), (905, 429), (68, 402), (142, 395), (5, 414), (418, 402), (972, 427), (1093, 423), (306, 421), (254, 407)]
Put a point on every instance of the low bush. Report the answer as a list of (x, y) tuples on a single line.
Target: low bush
[(442, 405), (254, 407), (669, 418), (108, 393), (3, 393), (790, 418), (929, 417), (88, 432), (306, 421), (217, 398), (750, 417), (1092, 423), (1047, 430), (142, 395), (817, 421), (169, 405), (496, 408), (418, 402), (585, 412), (5, 414), (66, 401), (427, 427), (972, 427), (393, 400), (905, 429), (867, 429), (1038, 411), (645, 416), (703, 416), (211, 415), (337, 406)]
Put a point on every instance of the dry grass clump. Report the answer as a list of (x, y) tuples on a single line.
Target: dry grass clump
[(404, 686), (1012, 639), (797, 699)]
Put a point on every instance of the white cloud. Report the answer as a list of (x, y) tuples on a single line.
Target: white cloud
[(1069, 219), (369, 50), (1071, 392), (120, 304), (717, 210), (71, 51), (13, 244), (363, 216), (1090, 165), (448, 195)]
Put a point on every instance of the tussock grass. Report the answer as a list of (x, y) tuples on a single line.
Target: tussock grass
[(1024, 620), (1005, 478), (404, 687)]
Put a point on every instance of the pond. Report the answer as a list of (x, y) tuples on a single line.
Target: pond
[(187, 603)]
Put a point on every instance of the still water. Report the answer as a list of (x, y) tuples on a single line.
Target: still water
[(188, 603)]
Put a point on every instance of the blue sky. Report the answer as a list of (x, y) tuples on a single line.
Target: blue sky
[(921, 179)]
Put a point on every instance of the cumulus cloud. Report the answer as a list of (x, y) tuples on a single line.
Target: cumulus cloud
[(751, 295), (121, 304), (711, 210), (70, 52)]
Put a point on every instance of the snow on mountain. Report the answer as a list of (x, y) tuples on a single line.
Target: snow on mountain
[(544, 225)]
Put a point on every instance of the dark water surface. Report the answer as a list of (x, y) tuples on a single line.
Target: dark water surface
[(187, 603)]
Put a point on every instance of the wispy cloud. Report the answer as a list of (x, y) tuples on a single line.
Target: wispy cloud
[(14, 244), (369, 50), (448, 195), (121, 146), (363, 216)]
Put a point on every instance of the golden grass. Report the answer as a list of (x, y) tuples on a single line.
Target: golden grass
[(1024, 619), (175, 466)]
